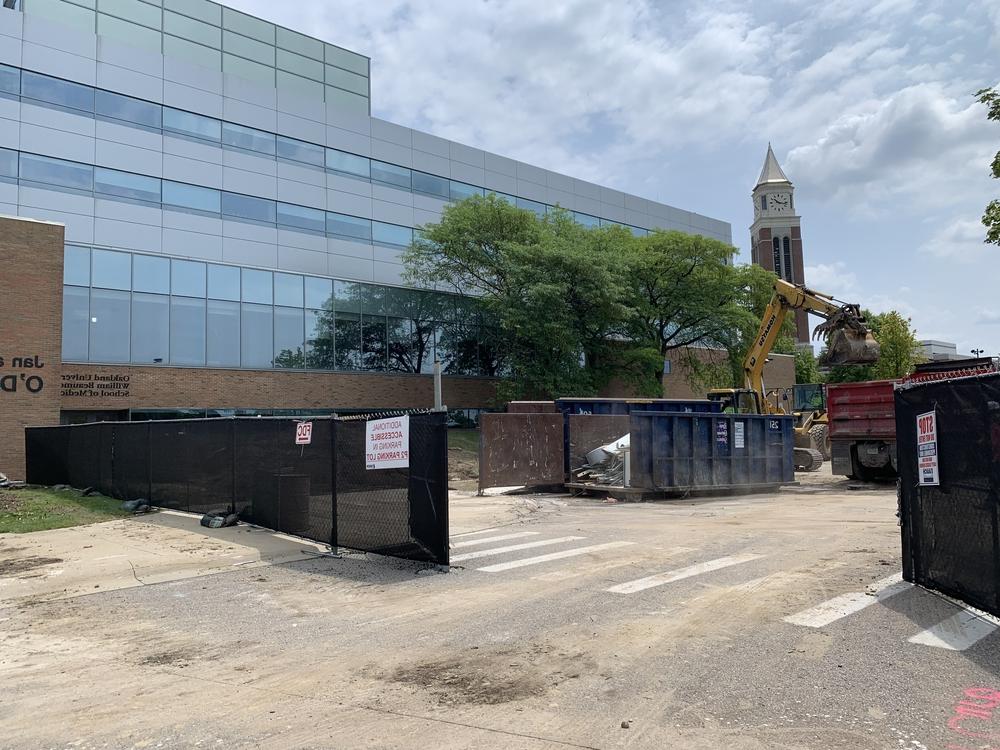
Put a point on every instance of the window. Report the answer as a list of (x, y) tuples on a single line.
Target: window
[(538, 208), (391, 234), (57, 172), (188, 28), (373, 342), (307, 153), (287, 289), (347, 341), (391, 174), (763, 203), (257, 336), (187, 278), (8, 163), (111, 270), (76, 265), (341, 161), (244, 207), (150, 328), (127, 109), (787, 267), (776, 256), (126, 185), (224, 283), (461, 191), (319, 339), (431, 184), (223, 335), (341, 225), (289, 346), (257, 286), (150, 274), (54, 91), (318, 292), (248, 138), (191, 124), (301, 217), (191, 196), (638, 232), (187, 330), (10, 80), (586, 220), (109, 325), (75, 323)]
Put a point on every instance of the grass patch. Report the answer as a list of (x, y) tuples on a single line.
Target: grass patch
[(37, 509), (466, 440)]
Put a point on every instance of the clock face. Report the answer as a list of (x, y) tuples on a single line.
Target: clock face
[(779, 202)]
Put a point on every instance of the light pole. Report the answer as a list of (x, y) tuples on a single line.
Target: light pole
[(977, 352)]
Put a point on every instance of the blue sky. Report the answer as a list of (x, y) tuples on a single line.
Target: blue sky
[(868, 104)]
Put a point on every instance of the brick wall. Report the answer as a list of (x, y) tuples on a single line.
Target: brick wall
[(778, 373), (31, 254), (104, 387)]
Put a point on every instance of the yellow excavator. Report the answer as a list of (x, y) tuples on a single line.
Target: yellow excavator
[(848, 342)]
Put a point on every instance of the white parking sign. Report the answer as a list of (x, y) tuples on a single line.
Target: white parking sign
[(387, 443), (303, 433)]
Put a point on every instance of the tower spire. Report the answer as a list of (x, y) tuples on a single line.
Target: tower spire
[(772, 171)]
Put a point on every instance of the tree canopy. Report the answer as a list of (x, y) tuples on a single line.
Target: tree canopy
[(991, 218), (900, 351)]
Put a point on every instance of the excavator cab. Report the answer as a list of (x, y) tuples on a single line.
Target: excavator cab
[(737, 400)]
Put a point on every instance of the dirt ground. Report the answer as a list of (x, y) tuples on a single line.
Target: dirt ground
[(609, 626)]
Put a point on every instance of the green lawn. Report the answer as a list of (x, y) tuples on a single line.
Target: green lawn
[(467, 440), (24, 510)]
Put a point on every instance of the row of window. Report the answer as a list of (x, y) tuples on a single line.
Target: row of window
[(782, 257), (237, 44), (111, 326), (115, 184), (154, 274), (138, 112)]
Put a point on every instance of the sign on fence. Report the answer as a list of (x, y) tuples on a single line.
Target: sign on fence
[(387, 443), (303, 433), (927, 449)]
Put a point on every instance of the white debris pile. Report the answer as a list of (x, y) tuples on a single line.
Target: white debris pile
[(606, 465)]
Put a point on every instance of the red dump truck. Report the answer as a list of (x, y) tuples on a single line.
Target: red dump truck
[(863, 418)]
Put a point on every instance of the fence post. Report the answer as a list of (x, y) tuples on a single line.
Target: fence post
[(333, 484), (149, 462), (232, 465)]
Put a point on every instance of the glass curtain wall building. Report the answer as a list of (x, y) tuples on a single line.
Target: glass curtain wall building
[(229, 202)]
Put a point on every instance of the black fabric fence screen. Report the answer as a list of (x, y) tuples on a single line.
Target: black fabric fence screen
[(322, 490), (951, 530)]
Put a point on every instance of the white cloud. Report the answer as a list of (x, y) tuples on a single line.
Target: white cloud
[(960, 240)]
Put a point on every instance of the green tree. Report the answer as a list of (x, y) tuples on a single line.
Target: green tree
[(900, 351), (991, 218), (806, 369)]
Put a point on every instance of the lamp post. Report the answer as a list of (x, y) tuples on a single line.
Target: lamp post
[(977, 352)]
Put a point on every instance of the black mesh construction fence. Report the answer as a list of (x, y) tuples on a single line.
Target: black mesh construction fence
[(322, 490), (951, 530)]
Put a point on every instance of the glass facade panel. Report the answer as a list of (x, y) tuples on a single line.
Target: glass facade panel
[(56, 172), (373, 342), (76, 265), (431, 184), (347, 296), (224, 282), (538, 208), (150, 274), (111, 270), (54, 91), (391, 234), (344, 162), (257, 336), (307, 153), (130, 10), (196, 31), (127, 109), (342, 225), (257, 286), (245, 207), (197, 54), (8, 163), (391, 174), (301, 217), (247, 25), (248, 138), (300, 65), (346, 59), (347, 341), (289, 347), (249, 69), (586, 219), (130, 33), (251, 49), (126, 185), (345, 101), (318, 293), (287, 289), (187, 278), (75, 323), (187, 331), (304, 45), (191, 124), (109, 325), (10, 80), (319, 340), (150, 328), (343, 79), (223, 339), (461, 191), (190, 196), (307, 87), (203, 10)]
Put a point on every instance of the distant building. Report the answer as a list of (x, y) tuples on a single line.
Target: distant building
[(939, 351)]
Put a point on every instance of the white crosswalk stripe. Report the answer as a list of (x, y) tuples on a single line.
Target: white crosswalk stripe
[(562, 554), (473, 533), (958, 632), (830, 611), (641, 584), (512, 548), (491, 539)]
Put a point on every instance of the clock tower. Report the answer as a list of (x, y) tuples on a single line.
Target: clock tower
[(776, 235)]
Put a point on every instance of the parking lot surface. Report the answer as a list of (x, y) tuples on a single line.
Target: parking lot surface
[(764, 621)]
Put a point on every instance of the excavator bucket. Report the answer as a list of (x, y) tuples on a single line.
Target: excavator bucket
[(845, 346)]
